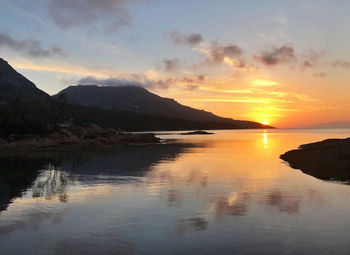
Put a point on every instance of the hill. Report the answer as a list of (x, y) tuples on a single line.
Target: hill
[(133, 99), (138, 100)]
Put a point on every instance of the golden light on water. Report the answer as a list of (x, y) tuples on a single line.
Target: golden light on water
[(265, 140)]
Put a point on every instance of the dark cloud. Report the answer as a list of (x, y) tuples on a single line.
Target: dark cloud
[(218, 52), (192, 82), (188, 80), (341, 63), (307, 64), (70, 13), (138, 80), (189, 39), (277, 55), (31, 47), (201, 77), (170, 65), (198, 79), (320, 75), (310, 59)]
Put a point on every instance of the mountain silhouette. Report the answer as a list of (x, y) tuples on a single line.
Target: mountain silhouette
[(133, 99), (139, 100), (24, 108), (14, 85)]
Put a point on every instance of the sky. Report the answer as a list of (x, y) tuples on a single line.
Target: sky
[(285, 63)]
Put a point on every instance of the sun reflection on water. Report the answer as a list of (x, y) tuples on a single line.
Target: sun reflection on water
[(265, 140)]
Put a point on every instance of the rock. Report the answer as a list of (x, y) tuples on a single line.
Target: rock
[(327, 160), (198, 132)]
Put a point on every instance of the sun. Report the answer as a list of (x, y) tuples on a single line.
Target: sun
[(265, 122)]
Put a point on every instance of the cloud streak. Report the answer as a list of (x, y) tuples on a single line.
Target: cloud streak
[(310, 59), (70, 13), (193, 39), (141, 80), (320, 75), (138, 80), (170, 65), (32, 48), (341, 63)]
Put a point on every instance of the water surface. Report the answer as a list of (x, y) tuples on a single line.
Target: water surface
[(227, 193)]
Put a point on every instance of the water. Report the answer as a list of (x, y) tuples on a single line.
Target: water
[(227, 193)]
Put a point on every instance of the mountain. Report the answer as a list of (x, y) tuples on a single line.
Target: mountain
[(13, 85), (133, 99), (139, 100), (25, 109), (132, 121)]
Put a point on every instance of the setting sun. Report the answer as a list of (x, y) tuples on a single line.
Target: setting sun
[(265, 122)]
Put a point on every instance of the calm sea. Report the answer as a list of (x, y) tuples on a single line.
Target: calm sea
[(227, 193)]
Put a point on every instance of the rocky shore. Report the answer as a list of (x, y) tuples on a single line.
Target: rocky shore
[(74, 136), (327, 160)]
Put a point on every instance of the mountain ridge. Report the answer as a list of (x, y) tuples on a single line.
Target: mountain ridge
[(134, 99), (13, 85)]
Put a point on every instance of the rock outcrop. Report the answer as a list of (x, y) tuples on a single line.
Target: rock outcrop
[(327, 160), (74, 135), (198, 132)]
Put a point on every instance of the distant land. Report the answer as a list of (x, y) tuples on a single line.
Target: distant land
[(25, 109), (134, 99), (333, 124)]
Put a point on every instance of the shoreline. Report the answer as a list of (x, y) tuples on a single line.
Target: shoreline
[(74, 137)]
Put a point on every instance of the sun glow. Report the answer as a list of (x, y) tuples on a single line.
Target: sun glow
[(265, 122), (264, 83)]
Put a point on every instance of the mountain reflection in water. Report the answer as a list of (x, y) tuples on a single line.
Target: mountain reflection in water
[(49, 174), (223, 194)]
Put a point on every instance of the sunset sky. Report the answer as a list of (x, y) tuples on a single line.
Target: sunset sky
[(286, 63)]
